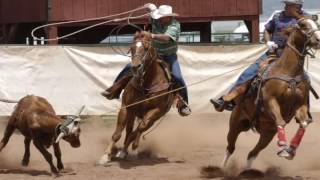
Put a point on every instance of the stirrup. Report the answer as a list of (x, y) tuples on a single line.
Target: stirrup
[(221, 105)]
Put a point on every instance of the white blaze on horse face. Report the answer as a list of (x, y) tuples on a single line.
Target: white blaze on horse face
[(138, 44), (315, 36)]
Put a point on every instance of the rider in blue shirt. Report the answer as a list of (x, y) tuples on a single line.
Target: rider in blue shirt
[(275, 41)]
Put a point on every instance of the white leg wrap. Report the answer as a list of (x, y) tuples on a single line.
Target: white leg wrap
[(105, 159)]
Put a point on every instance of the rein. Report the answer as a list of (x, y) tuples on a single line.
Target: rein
[(143, 69), (143, 66), (305, 51)]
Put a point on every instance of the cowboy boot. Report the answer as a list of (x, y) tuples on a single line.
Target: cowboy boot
[(226, 102), (220, 104), (115, 90), (183, 107)]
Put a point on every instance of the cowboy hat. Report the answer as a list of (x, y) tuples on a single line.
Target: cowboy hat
[(163, 11), (299, 2)]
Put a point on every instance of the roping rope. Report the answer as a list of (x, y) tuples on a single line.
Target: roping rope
[(92, 26)]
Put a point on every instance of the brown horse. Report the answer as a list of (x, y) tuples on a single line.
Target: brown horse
[(149, 80), (284, 94)]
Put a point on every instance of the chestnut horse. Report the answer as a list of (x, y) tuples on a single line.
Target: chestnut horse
[(284, 94), (149, 80)]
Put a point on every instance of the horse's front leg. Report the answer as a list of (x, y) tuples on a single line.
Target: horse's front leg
[(303, 118), (129, 127), (275, 112), (148, 120), (123, 116)]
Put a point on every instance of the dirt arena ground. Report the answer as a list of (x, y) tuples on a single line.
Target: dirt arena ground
[(177, 149)]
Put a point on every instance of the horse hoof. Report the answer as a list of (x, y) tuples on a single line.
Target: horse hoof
[(104, 160), (24, 162), (290, 157), (283, 153), (287, 153), (121, 155)]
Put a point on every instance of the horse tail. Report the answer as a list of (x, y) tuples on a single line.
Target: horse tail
[(7, 134)]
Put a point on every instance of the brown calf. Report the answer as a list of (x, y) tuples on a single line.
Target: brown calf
[(35, 118)]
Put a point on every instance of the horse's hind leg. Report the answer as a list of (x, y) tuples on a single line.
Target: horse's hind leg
[(123, 117), (266, 137), (236, 126)]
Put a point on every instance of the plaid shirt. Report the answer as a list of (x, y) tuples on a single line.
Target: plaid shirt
[(173, 30)]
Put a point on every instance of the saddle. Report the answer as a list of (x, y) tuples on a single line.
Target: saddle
[(263, 76), (166, 68), (256, 82)]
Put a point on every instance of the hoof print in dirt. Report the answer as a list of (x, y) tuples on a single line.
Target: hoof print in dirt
[(251, 174), (211, 172)]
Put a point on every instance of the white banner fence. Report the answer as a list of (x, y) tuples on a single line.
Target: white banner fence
[(72, 76)]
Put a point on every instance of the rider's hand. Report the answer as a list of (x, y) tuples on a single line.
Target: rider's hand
[(272, 46), (150, 7)]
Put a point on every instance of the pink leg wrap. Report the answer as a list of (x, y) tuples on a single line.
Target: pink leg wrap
[(282, 140), (298, 137)]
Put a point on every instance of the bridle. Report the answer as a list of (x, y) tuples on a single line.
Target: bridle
[(306, 50), (144, 65)]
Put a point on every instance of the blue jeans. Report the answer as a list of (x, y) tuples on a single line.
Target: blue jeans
[(172, 60), (253, 69), (125, 71), (250, 72)]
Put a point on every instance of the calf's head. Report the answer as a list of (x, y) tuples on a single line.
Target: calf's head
[(69, 131)]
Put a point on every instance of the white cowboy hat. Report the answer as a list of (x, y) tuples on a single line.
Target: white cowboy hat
[(299, 2), (163, 11)]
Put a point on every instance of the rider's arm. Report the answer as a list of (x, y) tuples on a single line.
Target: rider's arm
[(171, 34), (267, 36), (269, 28), (161, 37)]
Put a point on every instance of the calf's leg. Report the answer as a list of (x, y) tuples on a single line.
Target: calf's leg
[(26, 156)]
